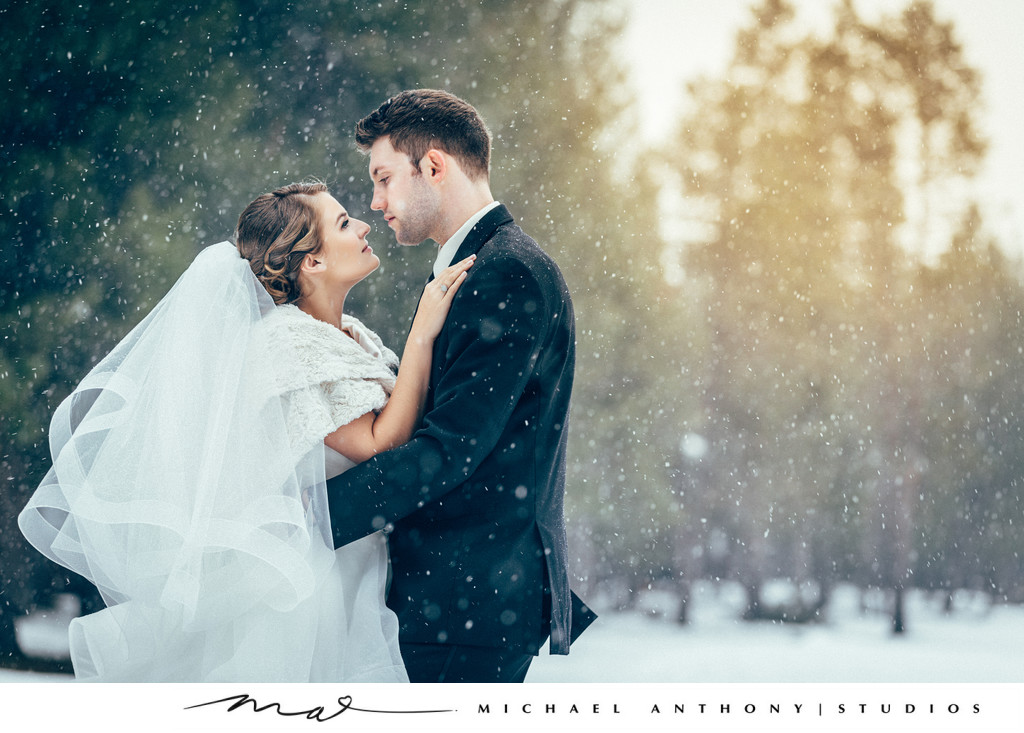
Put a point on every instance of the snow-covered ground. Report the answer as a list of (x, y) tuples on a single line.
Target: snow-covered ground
[(977, 642)]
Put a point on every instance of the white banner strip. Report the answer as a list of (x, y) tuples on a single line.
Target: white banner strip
[(845, 708)]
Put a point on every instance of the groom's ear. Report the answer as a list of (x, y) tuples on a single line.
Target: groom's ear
[(434, 165)]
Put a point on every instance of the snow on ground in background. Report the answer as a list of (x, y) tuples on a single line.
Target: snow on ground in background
[(9, 675), (976, 643), (45, 633)]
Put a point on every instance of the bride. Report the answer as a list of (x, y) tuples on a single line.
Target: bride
[(189, 465)]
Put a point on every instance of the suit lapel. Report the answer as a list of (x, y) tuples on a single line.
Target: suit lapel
[(483, 231), (475, 239)]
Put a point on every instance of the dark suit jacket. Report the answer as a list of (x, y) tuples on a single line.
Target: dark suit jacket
[(478, 547)]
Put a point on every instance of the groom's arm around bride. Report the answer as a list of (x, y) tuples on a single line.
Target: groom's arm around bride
[(475, 499)]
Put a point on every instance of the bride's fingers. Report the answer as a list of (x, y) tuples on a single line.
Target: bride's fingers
[(458, 267), (452, 276), (450, 291)]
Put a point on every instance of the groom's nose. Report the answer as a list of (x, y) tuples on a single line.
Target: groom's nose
[(378, 200)]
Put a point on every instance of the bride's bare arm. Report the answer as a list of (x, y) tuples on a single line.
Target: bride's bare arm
[(374, 433)]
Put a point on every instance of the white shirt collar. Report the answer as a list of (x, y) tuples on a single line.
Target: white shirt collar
[(448, 250)]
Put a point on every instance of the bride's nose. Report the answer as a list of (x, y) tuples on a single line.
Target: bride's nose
[(364, 228)]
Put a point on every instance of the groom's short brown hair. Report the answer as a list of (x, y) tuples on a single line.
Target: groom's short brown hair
[(420, 119)]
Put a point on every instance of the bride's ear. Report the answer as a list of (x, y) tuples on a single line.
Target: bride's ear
[(312, 263)]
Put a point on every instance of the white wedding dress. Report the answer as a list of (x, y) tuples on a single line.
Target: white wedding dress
[(188, 486)]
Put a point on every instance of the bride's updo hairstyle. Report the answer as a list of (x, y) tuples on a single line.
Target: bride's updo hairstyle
[(275, 232)]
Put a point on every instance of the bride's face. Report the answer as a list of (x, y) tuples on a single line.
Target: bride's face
[(345, 257)]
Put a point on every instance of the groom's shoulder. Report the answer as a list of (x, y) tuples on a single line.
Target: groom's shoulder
[(509, 238), (519, 258), (510, 241)]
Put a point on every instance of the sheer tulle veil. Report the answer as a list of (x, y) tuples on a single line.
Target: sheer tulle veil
[(175, 490)]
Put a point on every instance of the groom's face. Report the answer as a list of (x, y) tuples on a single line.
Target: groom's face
[(411, 206)]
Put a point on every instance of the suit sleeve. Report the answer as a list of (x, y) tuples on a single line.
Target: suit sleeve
[(494, 333)]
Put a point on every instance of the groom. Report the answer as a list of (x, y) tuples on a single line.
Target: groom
[(478, 547)]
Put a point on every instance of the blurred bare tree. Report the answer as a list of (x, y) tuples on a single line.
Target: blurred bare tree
[(823, 362)]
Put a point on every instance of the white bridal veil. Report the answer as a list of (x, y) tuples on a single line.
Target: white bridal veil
[(173, 490)]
